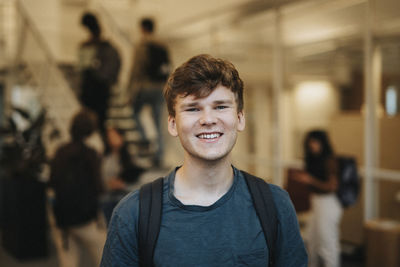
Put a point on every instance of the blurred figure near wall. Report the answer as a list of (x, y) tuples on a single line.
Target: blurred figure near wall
[(118, 171), (322, 177), (150, 70), (76, 180), (100, 64)]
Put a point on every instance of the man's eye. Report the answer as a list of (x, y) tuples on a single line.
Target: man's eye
[(192, 109), (221, 107)]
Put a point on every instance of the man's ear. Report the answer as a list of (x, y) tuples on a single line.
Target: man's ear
[(172, 126), (241, 121)]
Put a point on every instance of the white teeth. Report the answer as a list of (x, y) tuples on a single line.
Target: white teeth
[(209, 136)]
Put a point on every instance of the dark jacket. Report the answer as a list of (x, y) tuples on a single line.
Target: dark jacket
[(75, 178)]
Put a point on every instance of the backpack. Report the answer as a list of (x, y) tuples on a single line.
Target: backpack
[(150, 211), (107, 63), (349, 182), (158, 64)]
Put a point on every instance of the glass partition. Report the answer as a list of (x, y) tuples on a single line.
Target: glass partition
[(388, 172), (324, 85)]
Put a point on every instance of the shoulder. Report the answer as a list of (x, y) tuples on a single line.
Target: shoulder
[(85, 44), (88, 43), (124, 220), (155, 43), (91, 151), (282, 200), (280, 197), (290, 247), (127, 209), (125, 217), (279, 194), (63, 150), (85, 152), (121, 244)]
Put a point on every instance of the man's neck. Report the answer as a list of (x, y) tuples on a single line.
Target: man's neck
[(203, 183)]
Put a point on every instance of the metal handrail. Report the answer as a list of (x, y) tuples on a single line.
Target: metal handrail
[(122, 38), (113, 25), (54, 91)]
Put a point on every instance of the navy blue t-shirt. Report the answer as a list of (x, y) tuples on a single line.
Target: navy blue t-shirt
[(227, 233)]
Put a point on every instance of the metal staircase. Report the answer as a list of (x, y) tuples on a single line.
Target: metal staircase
[(32, 65), (120, 111)]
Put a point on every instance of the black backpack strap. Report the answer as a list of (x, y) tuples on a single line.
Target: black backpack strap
[(266, 211), (150, 209)]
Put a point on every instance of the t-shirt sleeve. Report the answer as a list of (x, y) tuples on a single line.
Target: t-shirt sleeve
[(121, 248), (290, 249)]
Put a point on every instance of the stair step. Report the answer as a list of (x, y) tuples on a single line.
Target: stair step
[(122, 112), (136, 150), (124, 124), (118, 100), (132, 136)]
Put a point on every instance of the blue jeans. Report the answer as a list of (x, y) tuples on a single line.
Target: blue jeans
[(154, 98)]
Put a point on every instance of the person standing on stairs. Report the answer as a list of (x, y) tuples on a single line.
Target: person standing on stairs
[(150, 70), (99, 63)]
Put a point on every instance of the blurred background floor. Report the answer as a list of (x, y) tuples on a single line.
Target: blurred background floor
[(7, 260)]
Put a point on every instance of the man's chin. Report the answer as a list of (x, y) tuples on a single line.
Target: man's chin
[(213, 158)]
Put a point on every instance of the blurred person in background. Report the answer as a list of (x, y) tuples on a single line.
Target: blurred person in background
[(76, 180), (150, 70), (100, 64), (321, 174), (118, 171)]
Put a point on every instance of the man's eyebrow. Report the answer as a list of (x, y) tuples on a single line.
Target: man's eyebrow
[(189, 105), (223, 101), (196, 103)]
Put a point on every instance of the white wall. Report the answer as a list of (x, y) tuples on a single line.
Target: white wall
[(313, 104)]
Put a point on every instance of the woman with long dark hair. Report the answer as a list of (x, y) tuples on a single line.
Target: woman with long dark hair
[(322, 177)]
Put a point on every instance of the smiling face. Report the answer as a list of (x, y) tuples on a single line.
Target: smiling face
[(207, 127)]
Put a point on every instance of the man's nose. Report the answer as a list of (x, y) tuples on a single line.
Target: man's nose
[(207, 117)]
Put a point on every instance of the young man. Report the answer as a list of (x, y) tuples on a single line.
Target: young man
[(208, 216)]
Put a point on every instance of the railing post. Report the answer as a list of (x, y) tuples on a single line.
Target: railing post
[(277, 101), (370, 123)]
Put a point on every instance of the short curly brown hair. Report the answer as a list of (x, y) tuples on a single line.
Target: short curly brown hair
[(199, 76)]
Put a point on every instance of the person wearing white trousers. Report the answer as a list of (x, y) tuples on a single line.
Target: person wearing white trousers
[(321, 174), (91, 236), (323, 230)]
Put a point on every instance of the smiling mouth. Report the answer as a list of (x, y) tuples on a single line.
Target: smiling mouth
[(209, 135)]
